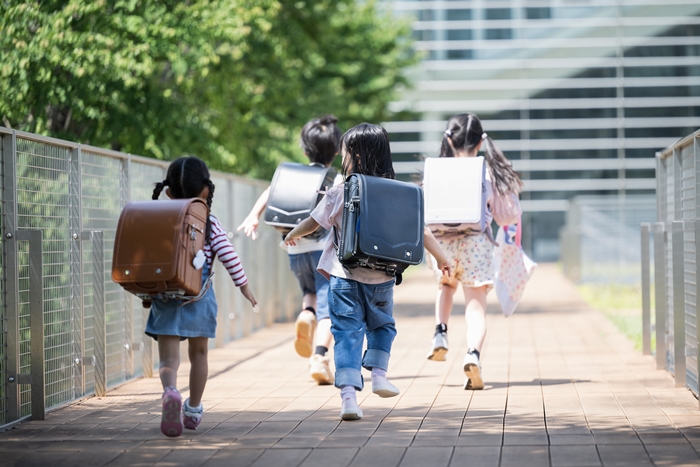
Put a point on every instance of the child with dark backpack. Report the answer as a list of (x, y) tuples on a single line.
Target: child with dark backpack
[(171, 321), (471, 255), (319, 140), (361, 299)]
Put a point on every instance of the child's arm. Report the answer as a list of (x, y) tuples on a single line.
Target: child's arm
[(303, 228), (248, 294), (434, 249), (250, 223)]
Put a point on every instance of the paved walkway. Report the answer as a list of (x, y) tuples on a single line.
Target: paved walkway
[(563, 388)]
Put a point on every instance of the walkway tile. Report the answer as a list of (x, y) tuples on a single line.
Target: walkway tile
[(563, 389)]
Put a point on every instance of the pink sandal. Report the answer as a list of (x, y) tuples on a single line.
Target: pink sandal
[(171, 422)]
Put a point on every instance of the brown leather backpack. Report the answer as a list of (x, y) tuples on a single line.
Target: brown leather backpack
[(155, 247)]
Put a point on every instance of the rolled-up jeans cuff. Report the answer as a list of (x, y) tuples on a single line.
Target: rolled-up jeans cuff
[(376, 359), (348, 377)]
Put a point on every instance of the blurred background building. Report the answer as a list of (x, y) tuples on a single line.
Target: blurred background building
[(579, 94)]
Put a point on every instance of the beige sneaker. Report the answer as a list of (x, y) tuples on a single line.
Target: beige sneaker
[(304, 327), (320, 370)]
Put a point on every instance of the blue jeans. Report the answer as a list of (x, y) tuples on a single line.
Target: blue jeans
[(358, 309), (310, 280)]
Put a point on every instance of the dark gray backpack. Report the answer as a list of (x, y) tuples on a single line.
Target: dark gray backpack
[(382, 225)]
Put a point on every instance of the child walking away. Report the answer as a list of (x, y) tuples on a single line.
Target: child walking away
[(320, 139), (171, 321), (361, 299), (471, 255)]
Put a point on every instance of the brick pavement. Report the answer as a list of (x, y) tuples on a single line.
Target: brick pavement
[(563, 388)]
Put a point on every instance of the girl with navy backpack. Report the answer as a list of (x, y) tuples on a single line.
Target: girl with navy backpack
[(361, 299)]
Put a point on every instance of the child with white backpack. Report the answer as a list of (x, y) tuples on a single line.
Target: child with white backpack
[(470, 252)]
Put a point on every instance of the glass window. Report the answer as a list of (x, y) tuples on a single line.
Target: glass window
[(459, 54), (568, 134), (573, 113), (658, 132), (459, 15), (576, 93), (647, 112), (497, 13), (538, 13), (459, 34), (499, 34), (664, 51), (666, 91), (426, 15)]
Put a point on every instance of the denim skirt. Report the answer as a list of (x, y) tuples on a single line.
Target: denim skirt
[(172, 318)]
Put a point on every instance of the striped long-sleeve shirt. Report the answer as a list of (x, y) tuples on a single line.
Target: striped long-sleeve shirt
[(222, 247)]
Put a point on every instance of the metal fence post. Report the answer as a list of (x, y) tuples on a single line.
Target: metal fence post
[(76, 269), (678, 304), (660, 294), (36, 322), (100, 325), (646, 290), (11, 273)]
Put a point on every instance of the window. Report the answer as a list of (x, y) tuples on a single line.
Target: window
[(497, 13), (538, 13), (459, 35), (459, 15), (459, 54), (499, 34)]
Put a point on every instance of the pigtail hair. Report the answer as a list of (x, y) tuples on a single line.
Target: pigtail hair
[(505, 179), (210, 200), (159, 189), (445, 148)]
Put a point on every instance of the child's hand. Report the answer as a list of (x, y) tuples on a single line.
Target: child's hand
[(444, 266), (248, 294), (250, 227), (290, 240)]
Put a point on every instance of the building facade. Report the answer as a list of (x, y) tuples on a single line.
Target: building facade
[(579, 94)]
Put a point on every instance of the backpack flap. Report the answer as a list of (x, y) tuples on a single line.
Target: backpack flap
[(155, 244), (391, 220), (294, 193), (455, 195)]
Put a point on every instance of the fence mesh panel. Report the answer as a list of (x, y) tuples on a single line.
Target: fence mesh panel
[(42, 204), (66, 192)]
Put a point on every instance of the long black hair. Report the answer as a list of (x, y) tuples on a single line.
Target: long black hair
[(465, 132), (320, 139), (367, 151), (186, 178)]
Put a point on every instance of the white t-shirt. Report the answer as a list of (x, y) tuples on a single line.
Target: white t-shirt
[(306, 244)]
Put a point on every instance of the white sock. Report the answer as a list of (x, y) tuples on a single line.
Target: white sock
[(378, 372), (348, 393)]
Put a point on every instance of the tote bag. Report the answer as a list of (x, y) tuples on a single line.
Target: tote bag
[(513, 267)]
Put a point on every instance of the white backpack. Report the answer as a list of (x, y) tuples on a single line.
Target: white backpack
[(455, 195)]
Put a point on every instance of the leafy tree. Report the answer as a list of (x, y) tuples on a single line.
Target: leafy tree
[(231, 81)]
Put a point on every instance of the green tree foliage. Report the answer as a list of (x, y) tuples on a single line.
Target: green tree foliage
[(231, 81)]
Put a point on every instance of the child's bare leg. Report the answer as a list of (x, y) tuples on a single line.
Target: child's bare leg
[(169, 351), (475, 314), (199, 369), (323, 333), (309, 300), (443, 303)]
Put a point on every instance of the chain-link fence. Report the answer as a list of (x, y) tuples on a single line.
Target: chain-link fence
[(68, 330), (676, 260), (601, 241)]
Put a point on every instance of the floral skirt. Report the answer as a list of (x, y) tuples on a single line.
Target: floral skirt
[(471, 259)]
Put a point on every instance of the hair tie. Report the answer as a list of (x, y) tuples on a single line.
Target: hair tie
[(484, 135), (448, 132)]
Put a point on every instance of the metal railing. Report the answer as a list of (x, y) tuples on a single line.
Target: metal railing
[(675, 260), (68, 330), (600, 242)]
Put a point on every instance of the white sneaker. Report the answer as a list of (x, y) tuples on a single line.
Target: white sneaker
[(320, 369), (472, 371), (304, 328), (383, 388), (350, 410), (440, 347)]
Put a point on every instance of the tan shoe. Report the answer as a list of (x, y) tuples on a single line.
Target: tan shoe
[(320, 369), (304, 328)]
